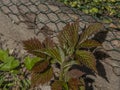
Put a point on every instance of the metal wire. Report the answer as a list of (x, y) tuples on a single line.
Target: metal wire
[(37, 14)]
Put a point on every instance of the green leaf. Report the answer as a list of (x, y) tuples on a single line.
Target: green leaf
[(55, 53), (87, 59), (70, 63), (68, 37), (89, 44), (82, 88), (82, 85), (65, 86), (7, 66), (33, 44), (61, 53), (5, 87), (11, 84), (3, 55), (15, 71), (107, 20), (26, 84), (41, 78), (92, 29), (30, 62), (2, 79), (66, 66)]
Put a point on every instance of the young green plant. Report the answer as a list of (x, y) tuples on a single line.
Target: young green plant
[(10, 73)]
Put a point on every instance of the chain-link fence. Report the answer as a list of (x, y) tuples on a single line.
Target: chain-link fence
[(38, 14)]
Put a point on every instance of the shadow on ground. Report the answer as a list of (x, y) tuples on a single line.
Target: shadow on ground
[(100, 55)]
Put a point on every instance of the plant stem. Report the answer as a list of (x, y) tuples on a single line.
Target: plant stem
[(61, 73)]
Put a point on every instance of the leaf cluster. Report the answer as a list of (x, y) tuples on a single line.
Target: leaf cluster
[(72, 49), (7, 62), (96, 7), (9, 73)]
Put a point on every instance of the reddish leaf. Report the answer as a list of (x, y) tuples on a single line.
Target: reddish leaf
[(69, 35), (40, 66), (92, 29), (75, 73), (33, 44), (41, 78), (87, 59), (74, 83), (57, 85), (48, 42)]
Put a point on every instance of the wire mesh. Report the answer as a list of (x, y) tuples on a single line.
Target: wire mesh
[(37, 14)]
